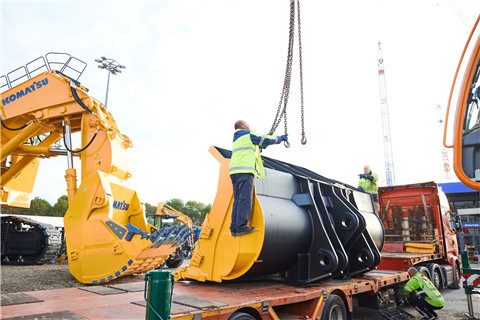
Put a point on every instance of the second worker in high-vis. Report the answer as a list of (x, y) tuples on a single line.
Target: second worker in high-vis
[(245, 165), (423, 295)]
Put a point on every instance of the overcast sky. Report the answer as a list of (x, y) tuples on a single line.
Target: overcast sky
[(195, 67)]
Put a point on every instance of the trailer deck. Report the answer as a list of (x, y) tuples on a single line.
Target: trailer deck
[(195, 300), (405, 260)]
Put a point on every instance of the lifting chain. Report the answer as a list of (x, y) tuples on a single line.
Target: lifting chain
[(288, 75)]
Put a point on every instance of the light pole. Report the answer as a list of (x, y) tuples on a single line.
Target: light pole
[(112, 67)]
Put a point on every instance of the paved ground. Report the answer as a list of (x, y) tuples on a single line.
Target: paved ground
[(48, 277), (455, 307)]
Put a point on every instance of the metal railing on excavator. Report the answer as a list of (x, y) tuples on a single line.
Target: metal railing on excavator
[(308, 228), (106, 231)]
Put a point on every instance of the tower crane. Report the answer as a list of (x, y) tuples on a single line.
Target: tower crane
[(387, 143), (446, 163)]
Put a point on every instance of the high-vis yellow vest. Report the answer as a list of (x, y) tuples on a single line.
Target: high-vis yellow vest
[(367, 185), (246, 156), (425, 288)]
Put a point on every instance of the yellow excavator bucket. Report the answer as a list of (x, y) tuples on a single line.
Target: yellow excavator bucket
[(107, 233), (307, 227), (219, 256)]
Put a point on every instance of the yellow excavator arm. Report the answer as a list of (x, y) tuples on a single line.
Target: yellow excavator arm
[(163, 209), (105, 226)]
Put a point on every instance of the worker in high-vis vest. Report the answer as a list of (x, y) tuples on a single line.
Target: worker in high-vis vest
[(245, 165), (368, 182), (422, 295)]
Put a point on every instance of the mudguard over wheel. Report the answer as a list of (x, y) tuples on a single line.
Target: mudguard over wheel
[(456, 283)]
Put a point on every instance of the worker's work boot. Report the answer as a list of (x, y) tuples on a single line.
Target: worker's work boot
[(248, 230)]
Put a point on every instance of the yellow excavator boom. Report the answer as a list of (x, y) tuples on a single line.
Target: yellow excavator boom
[(106, 232)]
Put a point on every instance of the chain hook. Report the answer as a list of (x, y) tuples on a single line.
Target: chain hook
[(286, 143), (304, 139)]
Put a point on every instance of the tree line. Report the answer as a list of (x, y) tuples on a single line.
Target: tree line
[(195, 210)]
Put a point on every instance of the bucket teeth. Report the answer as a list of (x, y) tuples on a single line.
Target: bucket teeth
[(159, 240), (185, 237), (154, 236), (178, 239), (178, 235), (172, 235)]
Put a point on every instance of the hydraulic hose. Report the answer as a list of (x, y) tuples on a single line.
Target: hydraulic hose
[(11, 129), (66, 147), (73, 88)]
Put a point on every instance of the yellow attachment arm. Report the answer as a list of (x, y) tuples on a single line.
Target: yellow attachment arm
[(166, 209)]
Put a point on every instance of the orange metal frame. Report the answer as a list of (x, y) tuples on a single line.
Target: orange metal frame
[(461, 108)]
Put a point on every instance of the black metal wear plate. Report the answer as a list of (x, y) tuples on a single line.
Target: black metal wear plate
[(104, 291), (17, 298), (118, 230), (141, 303), (51, 316), (395, 314), (196, 302), (129, 287)]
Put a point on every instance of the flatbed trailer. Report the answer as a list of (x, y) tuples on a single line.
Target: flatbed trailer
[(277, 300), (199, 300)]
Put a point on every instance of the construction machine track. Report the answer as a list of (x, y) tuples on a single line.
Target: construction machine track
[(25, 241)]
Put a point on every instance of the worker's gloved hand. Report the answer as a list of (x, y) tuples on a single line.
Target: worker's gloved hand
[(284, 137), (362, 175), (360, 189)]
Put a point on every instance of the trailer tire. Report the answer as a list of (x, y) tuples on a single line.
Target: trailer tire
[(174, 263), (241, 316), (334, 309), (456, 283), (437, 279)]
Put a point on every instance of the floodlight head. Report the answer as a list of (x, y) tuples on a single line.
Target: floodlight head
[(118, 71), (98, 60), (101, 66), (103, 58), (121, 67)]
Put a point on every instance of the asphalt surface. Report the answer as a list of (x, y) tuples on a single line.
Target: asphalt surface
[(455, 307), (56, 276)]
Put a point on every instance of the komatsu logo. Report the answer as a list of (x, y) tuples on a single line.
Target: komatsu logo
[(24, 92), (120, 205)]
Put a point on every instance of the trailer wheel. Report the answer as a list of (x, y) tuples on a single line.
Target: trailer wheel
[(437, 279), (241, 316), (456, 283), (334, 309)]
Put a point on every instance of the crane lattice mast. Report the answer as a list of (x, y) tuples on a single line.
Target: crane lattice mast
[(387, 143), (445, 162)]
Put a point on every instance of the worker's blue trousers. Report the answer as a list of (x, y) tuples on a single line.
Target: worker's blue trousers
[(242, 200)]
